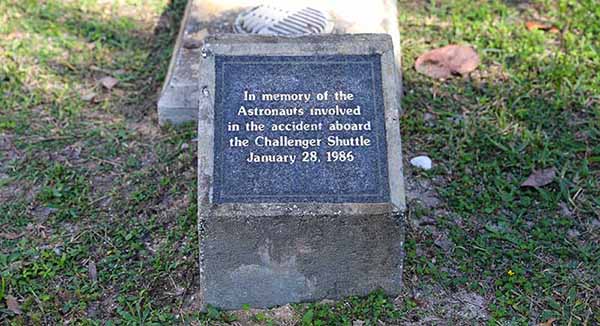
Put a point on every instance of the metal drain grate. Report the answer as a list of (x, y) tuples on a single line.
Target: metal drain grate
[(271, 20)]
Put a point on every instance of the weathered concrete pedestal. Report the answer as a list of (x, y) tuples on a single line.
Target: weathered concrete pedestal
[(178, 102), (264, 256), (312, 226)]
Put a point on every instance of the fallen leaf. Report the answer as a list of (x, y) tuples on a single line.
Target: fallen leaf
[(532, 26), (11, 235), (195, 40), (13, 36), (13, 305), (444, 243), (448, 61), (540, 178), (92, 272), (89, 97), (564, 209), (548, 322), (109, 82), (572, 233), (163, 22)]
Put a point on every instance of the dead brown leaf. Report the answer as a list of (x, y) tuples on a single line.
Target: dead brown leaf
[(195, 40), (14, 36), (533, 25), (548, 322), (109, 82), (163, 22), (13, 305), (11, 235), (540, 178), (448, 61)]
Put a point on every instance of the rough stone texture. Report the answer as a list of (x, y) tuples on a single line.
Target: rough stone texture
[(267, 254), (179, 97), (269, 261)]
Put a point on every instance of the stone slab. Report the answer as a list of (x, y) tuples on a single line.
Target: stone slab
[(294, 248), (178, 101)]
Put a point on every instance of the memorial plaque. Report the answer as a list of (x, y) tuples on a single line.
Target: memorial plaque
[(300, 129), (300, 187)]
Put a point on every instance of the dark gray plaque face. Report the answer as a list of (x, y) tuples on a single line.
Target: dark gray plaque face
[(299, 129)]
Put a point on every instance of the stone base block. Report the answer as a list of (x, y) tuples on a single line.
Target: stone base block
[(275, 260)]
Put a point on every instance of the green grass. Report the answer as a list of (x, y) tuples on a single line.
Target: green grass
[(533, 105), (86, 184)]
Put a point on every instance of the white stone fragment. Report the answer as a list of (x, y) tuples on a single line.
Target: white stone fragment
[(422, 161)]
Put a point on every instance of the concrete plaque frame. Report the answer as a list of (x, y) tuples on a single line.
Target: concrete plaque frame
[(267, 254)]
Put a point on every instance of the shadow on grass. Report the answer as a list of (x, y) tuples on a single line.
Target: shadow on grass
[(108, 195), (114, 46)]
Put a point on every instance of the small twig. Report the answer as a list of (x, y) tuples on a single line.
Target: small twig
[(48, 139), (95, 201), (115, 164), (105, 239), (76, 237), (38, 301)]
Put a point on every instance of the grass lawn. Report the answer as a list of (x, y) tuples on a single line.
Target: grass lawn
[(98, 204)]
